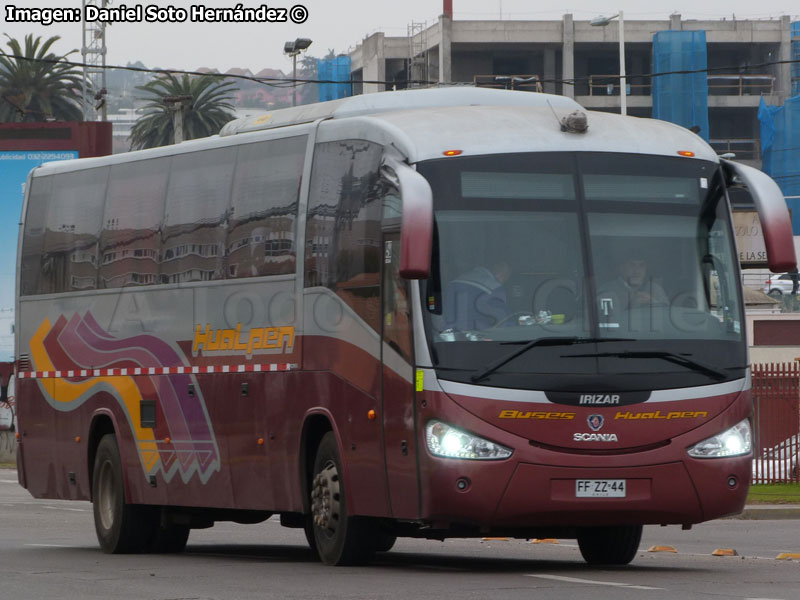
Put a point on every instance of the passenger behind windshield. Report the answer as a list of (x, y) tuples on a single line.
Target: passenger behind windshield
[(478, 299)]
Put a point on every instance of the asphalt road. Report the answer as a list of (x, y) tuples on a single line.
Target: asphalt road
[(48, 550)]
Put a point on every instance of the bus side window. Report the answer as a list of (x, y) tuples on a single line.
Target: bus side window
[(193, 237), (396, 303), (133, 217), (69, 253), (262, 231), (343, 230), (34, 234)]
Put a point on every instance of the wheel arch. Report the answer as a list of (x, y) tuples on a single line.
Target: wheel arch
[(103, 423), (315, 426)]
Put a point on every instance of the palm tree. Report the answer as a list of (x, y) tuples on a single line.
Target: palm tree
[(209, 110), (36, 84)]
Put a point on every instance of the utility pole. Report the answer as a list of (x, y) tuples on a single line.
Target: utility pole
[(177, 105), (93, 52)]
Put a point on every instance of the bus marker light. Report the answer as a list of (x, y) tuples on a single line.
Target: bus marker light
[(77, 439), (167, 440), (662, 549), (371, 415), (452, 152), (688, 153), (724, 552), (260, 441), (17, 435)]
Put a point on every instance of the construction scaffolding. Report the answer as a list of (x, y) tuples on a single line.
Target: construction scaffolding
[(417, 54), (680, 95), (94, 61)]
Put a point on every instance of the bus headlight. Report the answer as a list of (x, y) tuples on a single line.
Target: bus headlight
[(736, 441), (450, 442)]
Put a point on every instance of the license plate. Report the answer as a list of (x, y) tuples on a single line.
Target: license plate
[(600, 488)]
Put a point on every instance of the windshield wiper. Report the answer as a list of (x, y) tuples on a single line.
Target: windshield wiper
[(677, 359), (551, 341)]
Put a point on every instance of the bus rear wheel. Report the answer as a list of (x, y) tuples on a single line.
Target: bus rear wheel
[(340, 539), (121, 528), (609, 545)]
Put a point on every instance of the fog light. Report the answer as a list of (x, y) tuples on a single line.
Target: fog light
[(462, 483), (732, 481)]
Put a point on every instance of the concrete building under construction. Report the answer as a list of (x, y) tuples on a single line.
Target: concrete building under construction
[(743, 58)]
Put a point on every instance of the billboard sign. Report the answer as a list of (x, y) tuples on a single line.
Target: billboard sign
[(14, 168)]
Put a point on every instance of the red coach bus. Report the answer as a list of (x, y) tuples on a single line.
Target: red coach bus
[(429, 313)]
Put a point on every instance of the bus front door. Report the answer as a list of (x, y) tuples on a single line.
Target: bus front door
[(400, 447)]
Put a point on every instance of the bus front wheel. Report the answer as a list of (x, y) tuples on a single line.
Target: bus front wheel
[(340, 539), (609, 545), (121, 528)]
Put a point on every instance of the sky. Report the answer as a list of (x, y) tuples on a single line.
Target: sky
[(337, 25)]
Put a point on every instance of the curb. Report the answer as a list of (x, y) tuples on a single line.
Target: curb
[(766, 512)]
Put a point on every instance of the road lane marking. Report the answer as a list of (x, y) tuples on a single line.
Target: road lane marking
[(9, 481), (594, 582), (65, 508)]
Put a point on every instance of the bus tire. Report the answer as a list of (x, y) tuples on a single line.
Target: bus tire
[(121, 528), (308, 529), (609, 545), (340, 539), (169, 540)]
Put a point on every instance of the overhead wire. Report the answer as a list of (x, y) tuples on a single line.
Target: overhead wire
[(289, 82)]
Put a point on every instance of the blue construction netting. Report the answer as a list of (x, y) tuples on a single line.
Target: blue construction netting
[(796, 57), (334, 69), (681, 98), (780, 151)]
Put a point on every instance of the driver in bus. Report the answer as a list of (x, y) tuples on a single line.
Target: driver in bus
[(477, 299), (632, 288)]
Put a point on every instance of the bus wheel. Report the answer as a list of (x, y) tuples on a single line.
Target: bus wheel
[(170, 539), (340, 539), (121, 528), (609, 545), (308, 529)]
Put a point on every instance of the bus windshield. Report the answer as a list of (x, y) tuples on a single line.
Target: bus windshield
[(632, 256)]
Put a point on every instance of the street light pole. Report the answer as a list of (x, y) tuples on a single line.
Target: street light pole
[(294, 78), (623, 85), (293, 48)]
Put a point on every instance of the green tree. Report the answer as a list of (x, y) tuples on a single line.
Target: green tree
[(36, 84), (210, 108), (307, 93)]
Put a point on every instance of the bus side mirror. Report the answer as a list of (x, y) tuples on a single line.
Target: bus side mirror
[(772, 212), (416, 229)]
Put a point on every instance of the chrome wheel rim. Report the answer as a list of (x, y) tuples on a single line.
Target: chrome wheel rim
[(326, 499)]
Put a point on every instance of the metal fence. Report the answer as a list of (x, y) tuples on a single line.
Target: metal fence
[(776, 443)]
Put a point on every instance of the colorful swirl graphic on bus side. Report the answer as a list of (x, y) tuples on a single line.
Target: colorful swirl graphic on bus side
[(182, 440)]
